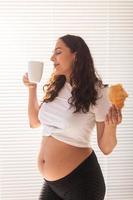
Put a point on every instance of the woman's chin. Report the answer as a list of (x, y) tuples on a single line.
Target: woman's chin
[(57, 72)]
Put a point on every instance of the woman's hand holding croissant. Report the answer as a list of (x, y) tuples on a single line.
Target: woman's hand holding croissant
[(114, 116)]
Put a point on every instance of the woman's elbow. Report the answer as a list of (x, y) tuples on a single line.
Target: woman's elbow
[(35, 125), (106, 150)]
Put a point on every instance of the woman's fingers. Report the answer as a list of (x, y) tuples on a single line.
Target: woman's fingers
[(119, 116), (26, 76), (110, 115), (27, 82), (114, 116)]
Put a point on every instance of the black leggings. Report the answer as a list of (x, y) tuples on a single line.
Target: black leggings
[(85, 182)]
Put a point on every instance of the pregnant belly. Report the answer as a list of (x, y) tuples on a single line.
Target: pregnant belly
[(56, 159)]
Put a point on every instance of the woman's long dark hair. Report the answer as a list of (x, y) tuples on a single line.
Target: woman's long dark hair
[(83, 78)]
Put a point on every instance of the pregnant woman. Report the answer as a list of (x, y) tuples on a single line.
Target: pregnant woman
[(75, 100)]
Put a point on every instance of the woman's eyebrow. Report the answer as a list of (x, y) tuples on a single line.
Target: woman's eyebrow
[(56, 48)]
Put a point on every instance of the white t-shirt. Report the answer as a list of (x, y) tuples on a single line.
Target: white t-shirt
[(75, 129)]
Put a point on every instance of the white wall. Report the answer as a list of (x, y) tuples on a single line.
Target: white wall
[(28, 31)]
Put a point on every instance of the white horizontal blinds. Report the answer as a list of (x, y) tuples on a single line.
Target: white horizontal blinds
[(120, 62), (25, 34), (28, 31)]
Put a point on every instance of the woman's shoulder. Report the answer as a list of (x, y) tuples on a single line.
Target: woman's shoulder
[(102, 88)]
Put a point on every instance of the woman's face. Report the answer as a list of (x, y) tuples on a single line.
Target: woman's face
[(63, 59)]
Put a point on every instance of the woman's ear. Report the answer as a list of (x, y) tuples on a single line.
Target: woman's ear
[(75, 56)]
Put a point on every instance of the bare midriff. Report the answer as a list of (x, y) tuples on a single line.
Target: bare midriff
[(57, 159)]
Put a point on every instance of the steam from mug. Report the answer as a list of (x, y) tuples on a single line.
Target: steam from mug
[(35, 71)]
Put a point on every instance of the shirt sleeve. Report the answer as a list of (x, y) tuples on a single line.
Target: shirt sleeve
[(102, 105)]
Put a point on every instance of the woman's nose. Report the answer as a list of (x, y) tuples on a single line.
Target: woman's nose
[(52, 58)]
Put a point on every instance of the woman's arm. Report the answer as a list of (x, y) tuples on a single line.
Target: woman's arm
[(106, 131), (33, 108)]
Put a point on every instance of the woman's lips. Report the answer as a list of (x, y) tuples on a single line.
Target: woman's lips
[(56, 65)]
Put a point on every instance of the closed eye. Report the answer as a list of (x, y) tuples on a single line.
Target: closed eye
[(56, 53)]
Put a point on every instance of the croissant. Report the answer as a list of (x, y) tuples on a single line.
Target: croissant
[(117, 95)]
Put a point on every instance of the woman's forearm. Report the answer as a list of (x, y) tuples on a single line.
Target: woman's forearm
[(33, 108), (108, 140)]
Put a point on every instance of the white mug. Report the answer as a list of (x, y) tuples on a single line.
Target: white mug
[(35, 71)]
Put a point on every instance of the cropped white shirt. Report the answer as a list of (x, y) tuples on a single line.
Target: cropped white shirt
[(75, 129)]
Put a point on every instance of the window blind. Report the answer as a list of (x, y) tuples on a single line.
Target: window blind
[(28, 31)]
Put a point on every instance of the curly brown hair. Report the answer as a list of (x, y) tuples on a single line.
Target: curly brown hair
[(83, 78)]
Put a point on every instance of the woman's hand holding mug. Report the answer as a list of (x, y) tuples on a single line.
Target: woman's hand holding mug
[(27, 83), (34, 74)]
